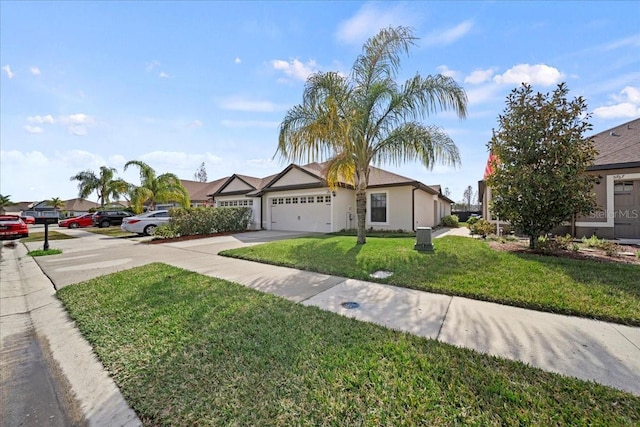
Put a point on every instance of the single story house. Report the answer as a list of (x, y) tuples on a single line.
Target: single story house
[(72, 207), (299, 199), (617, 188)]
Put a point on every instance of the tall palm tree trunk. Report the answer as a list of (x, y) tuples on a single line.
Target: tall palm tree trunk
[(362, 181)]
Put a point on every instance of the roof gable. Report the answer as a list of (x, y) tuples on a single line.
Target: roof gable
[(295, 175)]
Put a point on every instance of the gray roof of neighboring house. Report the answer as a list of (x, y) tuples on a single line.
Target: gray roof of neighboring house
[(618, 147), (79, 205), (202, 190)]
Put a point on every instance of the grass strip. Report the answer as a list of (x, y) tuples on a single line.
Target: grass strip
[(468, 267), (43, 252), (187, 349), (39, 236)]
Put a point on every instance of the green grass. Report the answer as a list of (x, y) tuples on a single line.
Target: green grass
[(114, 231), (187, 349), (42, 252), (39, 236), (468, 267)]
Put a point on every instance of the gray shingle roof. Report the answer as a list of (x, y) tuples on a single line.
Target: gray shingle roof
[(618, 145)]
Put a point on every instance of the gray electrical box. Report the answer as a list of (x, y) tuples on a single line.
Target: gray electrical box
[(423, 240)]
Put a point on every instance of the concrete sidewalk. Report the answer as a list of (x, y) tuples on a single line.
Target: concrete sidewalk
[(591, 350)]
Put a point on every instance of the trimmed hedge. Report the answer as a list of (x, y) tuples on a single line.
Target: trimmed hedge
[(194, 221)]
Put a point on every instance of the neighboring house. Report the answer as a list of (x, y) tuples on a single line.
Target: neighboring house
[(617, 168), (17, 208), (299, 199), (199, 192), (77, 207)]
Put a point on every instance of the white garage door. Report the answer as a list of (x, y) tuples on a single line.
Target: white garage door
[(301, 213)]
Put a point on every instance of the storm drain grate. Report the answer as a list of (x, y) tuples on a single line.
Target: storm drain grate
[(350, 304)]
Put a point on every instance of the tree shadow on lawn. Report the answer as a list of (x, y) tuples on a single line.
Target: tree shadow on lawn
[(613, 277)]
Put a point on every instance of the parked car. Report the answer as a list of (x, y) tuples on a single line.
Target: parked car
[(108, 218), (28, 219), (85, 220), (12, 227), (145, 223)]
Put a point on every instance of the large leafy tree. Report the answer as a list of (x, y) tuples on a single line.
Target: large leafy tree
[(368, 118), (541, 156), (104, 184), (155, 188)]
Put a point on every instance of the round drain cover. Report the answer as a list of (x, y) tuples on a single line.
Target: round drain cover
[(350, 304)]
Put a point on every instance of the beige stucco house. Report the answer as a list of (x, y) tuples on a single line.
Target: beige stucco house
[(299, 199)]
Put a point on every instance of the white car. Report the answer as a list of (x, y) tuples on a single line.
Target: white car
[(145, 223)]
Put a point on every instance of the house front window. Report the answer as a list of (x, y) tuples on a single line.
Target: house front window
[(378, 207)]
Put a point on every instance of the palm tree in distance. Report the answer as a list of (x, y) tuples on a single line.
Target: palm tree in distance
[(155, 189), (5, 201), (367, 118), (103, 184), (56, 203)]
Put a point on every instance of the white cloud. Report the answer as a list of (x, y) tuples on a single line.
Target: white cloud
[(633, 41), (151, 65), (445, 71), (77, 123), (448, 36), (196, 124), (295, 68), (41, 119), (370, 19), (532, 74), (627, 105), (33, 129), (163, 75), (482, 94), (237, 60), (35, 71), (249, 124), (7, 69), (479, 76), (241, 104)]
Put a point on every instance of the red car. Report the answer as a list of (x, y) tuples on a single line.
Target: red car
[(12, 227), (78, 221), (28, 219)]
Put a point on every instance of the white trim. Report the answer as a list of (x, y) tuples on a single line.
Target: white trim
[(610, 209), (386, 193)]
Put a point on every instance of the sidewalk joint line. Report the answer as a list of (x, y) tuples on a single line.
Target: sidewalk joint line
[(444, 318)]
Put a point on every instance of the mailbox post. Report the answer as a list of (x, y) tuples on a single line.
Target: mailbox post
[(47, 221)]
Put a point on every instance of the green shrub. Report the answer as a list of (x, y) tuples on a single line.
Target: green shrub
[(547, 245), (594, 242), (482, 227), (564, 242), (200, 220), (472, 220), (450, 221)]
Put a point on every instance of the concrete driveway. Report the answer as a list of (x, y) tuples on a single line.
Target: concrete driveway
[(91, 255)]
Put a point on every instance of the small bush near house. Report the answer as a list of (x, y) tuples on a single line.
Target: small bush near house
[(450, 221), (482, 227), (564, 242), (472, 220), (200, 220)]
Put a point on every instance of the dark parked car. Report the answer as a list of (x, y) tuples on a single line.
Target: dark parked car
[(108, 218)]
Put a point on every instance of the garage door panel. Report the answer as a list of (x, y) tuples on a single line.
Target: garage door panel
[(313, 217)]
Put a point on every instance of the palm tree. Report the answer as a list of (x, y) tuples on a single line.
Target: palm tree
[(104, 184), (4, 202), (156, 189), (368, 118), (56, 203)]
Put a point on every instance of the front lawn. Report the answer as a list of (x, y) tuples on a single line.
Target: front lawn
[(187, 349), (468, 267), (39, 236)]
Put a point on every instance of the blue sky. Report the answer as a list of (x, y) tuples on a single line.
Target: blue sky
[(175, 84)]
